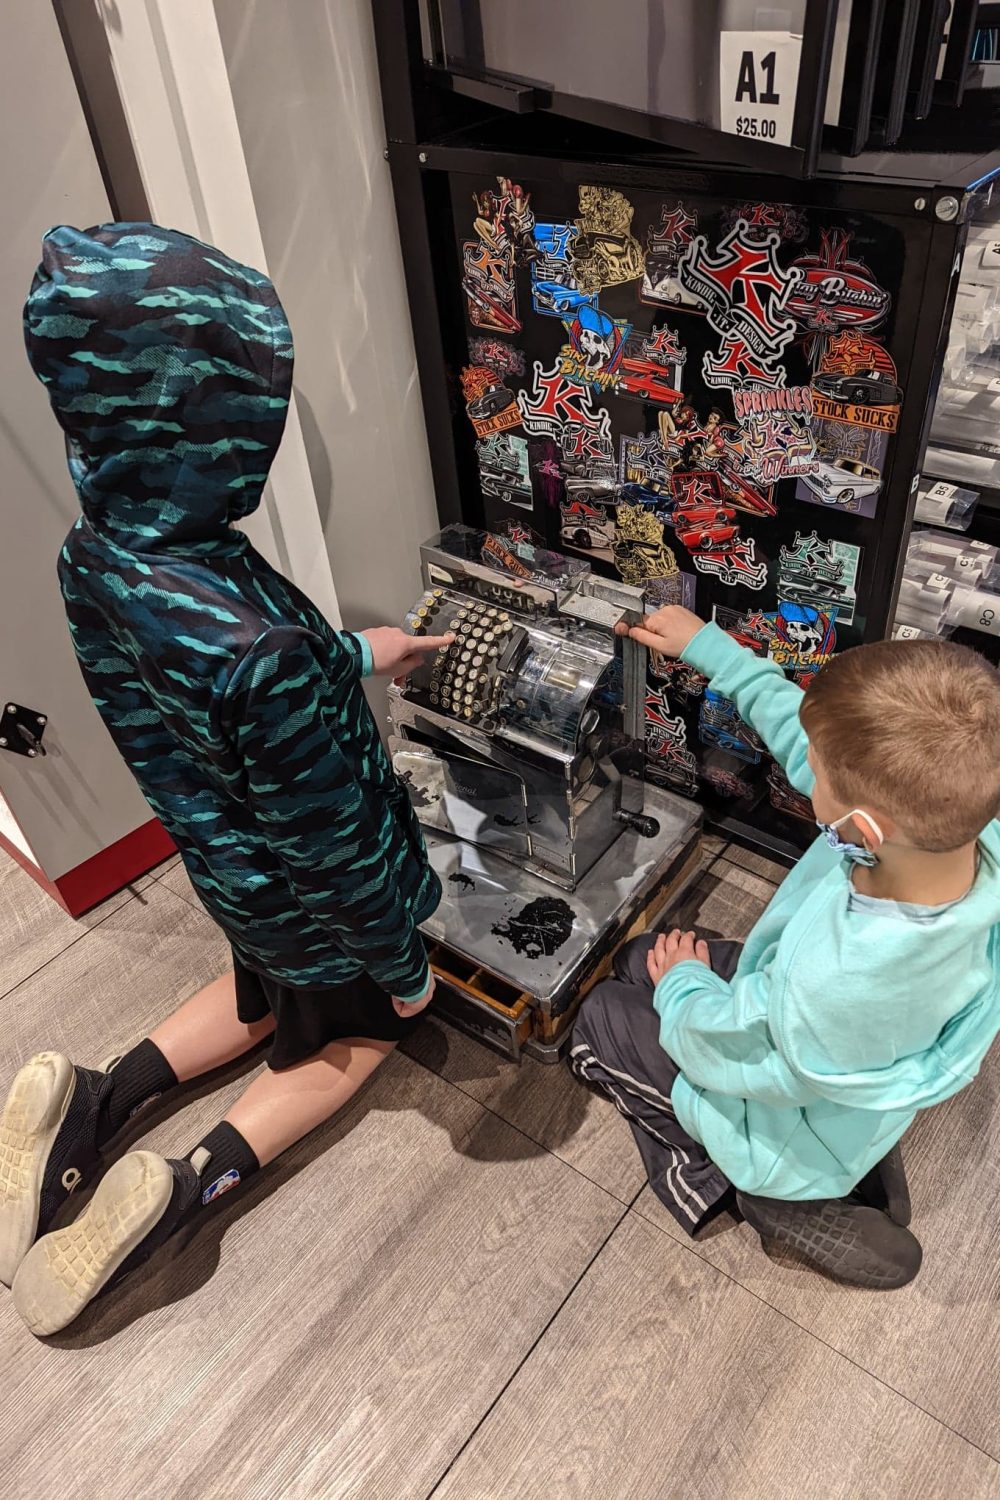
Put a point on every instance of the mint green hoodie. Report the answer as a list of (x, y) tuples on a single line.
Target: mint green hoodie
[(800, 1073)]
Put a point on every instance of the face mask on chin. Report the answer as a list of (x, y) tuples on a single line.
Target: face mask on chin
[(855, 854)]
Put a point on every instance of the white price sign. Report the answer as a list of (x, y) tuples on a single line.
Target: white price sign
[(758, 82)]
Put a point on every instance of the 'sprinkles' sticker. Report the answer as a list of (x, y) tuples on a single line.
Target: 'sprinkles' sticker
[(778, 443)]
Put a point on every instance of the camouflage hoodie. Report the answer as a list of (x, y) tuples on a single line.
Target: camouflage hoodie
[(239, 710)]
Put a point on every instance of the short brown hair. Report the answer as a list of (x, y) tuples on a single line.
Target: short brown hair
[(912, 727)]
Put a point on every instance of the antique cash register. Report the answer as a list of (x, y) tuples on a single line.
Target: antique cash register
[(521, 745)]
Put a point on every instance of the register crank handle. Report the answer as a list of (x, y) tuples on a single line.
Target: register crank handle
[(642, 823)]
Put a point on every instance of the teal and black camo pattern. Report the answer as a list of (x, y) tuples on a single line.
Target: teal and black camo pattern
[(237, 707)]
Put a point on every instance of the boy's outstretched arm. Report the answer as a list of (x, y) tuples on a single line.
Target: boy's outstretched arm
[(762, 693), (287, 715)]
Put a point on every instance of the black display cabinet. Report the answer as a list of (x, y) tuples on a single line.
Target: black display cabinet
[(702, 361)]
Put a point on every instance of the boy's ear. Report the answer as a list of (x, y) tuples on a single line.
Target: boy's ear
[(883, 820)]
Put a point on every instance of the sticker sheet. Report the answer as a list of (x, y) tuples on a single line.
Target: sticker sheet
[(699, 397)]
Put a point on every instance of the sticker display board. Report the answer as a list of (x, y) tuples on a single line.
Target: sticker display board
[(701, 398)]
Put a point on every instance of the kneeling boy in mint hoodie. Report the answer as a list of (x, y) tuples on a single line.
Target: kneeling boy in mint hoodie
[(867, 991)]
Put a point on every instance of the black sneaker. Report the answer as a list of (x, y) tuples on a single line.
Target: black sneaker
[(138, 1205), (48, 1148), (850, 1242)]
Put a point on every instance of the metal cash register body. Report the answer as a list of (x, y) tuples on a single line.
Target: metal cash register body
[(521, 745)]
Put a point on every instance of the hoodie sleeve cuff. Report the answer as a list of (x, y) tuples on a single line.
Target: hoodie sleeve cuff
[(367, 660), (412, 999)]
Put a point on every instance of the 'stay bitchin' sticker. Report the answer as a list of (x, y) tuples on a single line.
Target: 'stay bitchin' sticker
[(596, 348), (836, 290), (799, 637)]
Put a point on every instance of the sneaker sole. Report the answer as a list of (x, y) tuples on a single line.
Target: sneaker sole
[(63, 1272), (830, 1245), (32, 1118)]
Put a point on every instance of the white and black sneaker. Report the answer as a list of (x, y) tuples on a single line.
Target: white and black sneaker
[(138, 1205), (48, 1149)]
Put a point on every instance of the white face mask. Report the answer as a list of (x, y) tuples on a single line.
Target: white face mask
[(857, 854)]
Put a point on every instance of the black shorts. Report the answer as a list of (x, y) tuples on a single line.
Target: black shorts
[(306, 1021)]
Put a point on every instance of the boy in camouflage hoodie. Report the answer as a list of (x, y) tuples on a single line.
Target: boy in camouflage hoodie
[(242, 716)]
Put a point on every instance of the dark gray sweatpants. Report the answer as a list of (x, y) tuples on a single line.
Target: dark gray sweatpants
[(616, 1047)]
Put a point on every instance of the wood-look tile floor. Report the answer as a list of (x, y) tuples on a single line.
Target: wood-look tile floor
[(462, 1288)]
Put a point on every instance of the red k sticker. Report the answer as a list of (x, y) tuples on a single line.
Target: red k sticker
[(745, 292)]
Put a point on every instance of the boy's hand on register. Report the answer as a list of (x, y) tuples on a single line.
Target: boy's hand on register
[(395, 652), (668, 631), (675, 948), (402, 1009)]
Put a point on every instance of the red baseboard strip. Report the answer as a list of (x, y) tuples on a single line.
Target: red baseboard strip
[(96, 879), (110, 871)]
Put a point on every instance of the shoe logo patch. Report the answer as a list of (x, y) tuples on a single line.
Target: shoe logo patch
[(143, 1104), (221, 1185), (71, 1179)]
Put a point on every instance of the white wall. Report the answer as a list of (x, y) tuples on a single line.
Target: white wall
[(81, 797), (305, 85)]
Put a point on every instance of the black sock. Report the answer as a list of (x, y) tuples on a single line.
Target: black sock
[(230, 1162), (141, 1076)]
